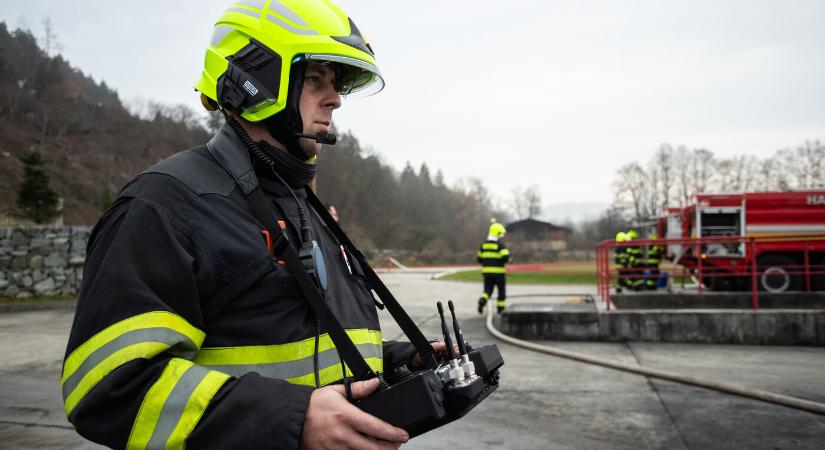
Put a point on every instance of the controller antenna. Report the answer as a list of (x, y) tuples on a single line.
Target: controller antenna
[(446, 331), (456, 372), (462, 349), (466, 364)]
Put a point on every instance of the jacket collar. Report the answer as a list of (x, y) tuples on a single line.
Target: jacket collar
[(230, 152)]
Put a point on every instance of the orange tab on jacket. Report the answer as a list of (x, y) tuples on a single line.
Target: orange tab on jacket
[(268, 241)]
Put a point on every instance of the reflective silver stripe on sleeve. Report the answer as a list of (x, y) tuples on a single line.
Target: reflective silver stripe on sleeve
[(172, 410), (184, 346), (299, 367), (289, 27)]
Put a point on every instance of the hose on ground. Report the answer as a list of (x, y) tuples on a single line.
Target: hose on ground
[(757, 394)]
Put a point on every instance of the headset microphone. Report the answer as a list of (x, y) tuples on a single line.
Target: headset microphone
[(321, 138)]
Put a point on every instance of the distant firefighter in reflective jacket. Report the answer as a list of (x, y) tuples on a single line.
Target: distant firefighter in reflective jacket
[(493, 255)]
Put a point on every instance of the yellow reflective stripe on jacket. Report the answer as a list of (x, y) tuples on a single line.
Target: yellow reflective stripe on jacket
[(504, 252), (143, 336), (294, 361), (493, 269), (493, 255), (174, 405), (489, 246)]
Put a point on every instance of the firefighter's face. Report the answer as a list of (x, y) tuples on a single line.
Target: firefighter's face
[(318, 100)]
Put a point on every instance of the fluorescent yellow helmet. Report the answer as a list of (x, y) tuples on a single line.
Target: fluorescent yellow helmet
[(259, 48), (632, 234), (621, 236), (497, 229)]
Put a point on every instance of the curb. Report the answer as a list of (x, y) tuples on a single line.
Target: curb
[(37, 306)]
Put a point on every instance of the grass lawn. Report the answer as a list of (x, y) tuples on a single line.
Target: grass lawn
[(563, 276), (572, 272)]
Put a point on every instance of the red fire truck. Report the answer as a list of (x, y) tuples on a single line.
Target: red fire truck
[(784, 232)]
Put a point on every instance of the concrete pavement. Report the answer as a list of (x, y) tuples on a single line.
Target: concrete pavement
[(543, 402)]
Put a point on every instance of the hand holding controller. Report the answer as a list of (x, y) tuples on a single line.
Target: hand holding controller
[(332, 422), (427, 399)]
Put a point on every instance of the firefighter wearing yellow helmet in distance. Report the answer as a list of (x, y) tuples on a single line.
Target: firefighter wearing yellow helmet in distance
[(189, 332), (620, 260), (493, 256), (634, 262)]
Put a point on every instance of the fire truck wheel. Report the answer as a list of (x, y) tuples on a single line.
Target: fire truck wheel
[(718, 282), (775, 274)]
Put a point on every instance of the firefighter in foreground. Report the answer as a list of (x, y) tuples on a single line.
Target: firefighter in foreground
[(493, 255), (188, 331)]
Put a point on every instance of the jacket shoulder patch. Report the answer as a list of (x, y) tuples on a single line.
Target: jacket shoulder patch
[(198, 173)]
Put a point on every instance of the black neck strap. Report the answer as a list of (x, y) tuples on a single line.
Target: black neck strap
[(264, 212), (410, 329)]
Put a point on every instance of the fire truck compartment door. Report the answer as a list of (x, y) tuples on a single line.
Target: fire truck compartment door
[(721, 222)]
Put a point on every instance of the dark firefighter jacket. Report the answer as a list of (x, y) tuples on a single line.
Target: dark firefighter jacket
[(188, 331), (620, 256), (654, 255), (493, 255), (634, 255)]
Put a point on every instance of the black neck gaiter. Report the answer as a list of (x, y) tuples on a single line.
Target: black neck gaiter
[(296, 173)]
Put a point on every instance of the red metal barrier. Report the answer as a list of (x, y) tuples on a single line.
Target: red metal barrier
[(809, 254)]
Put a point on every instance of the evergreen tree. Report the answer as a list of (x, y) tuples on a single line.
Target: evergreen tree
[(105, 199), (36, 200)]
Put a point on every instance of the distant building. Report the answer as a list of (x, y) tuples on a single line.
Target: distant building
[(532, 239)]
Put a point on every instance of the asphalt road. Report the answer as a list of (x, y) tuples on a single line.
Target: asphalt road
[(543, 401)]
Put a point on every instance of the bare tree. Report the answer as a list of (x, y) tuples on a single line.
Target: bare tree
[(701, 170), (631, 185), (768, 174), (652, 199), (518, 202), (738, 173), (533, 196), (724, 170), (49, 41), (682, 161), (663, 162), (809, 158), (801, 167)]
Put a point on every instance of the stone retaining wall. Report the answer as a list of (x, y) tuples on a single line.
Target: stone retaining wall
[(42, 261), (724, 326)]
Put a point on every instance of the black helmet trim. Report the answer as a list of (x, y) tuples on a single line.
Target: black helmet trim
[(355, 39)]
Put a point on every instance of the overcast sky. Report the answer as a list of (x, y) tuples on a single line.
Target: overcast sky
[(558, 94)]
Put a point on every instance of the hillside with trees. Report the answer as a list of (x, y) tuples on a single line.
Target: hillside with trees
[(89, 140), (411, 211), (92, 144)]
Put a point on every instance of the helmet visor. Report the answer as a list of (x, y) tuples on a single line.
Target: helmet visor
[(352, 75)]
